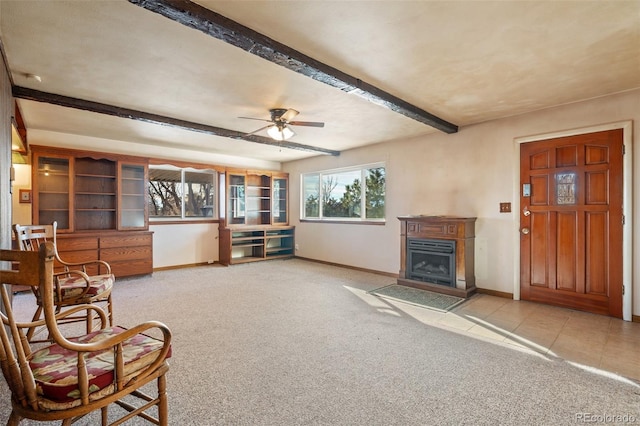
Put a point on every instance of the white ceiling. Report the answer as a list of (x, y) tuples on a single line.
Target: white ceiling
[(464, 61)]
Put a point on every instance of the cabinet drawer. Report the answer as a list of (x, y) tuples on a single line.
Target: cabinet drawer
[(74, 244), (126, 241), (125, 253), (136, 267)]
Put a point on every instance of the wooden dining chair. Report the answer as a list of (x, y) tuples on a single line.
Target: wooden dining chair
[(74, 284), (72, 377)]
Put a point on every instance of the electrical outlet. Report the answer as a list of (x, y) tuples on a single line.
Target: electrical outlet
[(297, 247), (505, 207)]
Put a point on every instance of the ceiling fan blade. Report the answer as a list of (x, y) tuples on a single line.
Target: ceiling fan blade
[(259, 119), (306, 123), (259, 130), (289, 115)]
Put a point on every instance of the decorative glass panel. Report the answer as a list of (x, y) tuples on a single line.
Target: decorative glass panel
[(565, 188)]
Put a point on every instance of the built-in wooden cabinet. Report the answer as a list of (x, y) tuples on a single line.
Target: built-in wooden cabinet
[(99, 201), (257, 198), (255, 227)]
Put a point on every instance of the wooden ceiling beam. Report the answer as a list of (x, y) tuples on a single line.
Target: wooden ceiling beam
[(100, 108), (215, 25)]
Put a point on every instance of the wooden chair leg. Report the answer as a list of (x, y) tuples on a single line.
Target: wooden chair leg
[(163, 410), (105, 416), (14, 419)]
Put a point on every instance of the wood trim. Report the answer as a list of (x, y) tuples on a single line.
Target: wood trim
[(222, 28), (185, 164), (495, 293), (188, 265), (100, 108), (182, 222), (96, 155), (635, 318)]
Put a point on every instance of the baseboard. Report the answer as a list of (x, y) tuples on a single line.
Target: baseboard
[(635, 318), (187, 265), (355, 268), (496, 293)]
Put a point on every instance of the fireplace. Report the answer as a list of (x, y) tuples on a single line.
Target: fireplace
[(436, 254), (431, 261)]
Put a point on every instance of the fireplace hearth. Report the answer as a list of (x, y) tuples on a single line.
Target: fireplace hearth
[(437, 254)]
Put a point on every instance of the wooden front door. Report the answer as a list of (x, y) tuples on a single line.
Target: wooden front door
[(571, 222)]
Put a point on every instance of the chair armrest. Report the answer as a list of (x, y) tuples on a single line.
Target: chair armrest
[(114, 340), (67, 312), (83, 265), (58, 289)]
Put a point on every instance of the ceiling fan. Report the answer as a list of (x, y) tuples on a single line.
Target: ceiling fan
[(280, 121)]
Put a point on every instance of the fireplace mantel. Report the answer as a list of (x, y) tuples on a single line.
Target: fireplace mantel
[(459, 229)]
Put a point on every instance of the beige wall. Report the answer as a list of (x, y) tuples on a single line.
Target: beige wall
[(21, 211), (467, 173), (184, 244)]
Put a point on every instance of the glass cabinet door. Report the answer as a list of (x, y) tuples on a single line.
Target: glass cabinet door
[(133, 196), (52, 186), (236, 195), (279, 208)]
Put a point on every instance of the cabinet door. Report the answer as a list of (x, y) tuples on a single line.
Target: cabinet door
[(236, 203), (279, 201), (52, 196), (133, 208)]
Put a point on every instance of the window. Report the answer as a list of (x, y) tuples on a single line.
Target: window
[(181, 193), (338, 194)]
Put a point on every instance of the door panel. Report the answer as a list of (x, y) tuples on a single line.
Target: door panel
[(571, 244)]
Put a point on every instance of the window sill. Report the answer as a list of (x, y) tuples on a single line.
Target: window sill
[(182, 221), (345, 222)]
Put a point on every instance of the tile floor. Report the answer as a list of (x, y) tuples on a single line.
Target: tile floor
[(586, 339)]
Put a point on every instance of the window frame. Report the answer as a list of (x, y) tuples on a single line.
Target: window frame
[(351, 220), (183, 171)]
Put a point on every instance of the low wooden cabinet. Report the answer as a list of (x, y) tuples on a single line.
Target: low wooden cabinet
[(128, 253), (249, 244)]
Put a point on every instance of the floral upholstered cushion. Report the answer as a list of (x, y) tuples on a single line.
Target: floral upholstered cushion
[(74, 285), (55, 369)]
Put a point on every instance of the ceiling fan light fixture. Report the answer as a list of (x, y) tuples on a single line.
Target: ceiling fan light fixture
[(280, 133)]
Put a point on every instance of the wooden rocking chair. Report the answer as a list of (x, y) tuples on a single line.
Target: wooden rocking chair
[(74, 285), (73, 377)]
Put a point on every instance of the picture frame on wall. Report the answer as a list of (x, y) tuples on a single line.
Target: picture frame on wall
[(25, 196)]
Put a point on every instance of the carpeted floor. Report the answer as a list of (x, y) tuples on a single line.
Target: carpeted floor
[(300, 343), (418, 297)]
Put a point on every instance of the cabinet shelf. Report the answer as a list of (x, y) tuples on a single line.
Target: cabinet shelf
[(110, 194), (86, 175)]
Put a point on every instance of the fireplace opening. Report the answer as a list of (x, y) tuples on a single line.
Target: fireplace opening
[(431, 261)]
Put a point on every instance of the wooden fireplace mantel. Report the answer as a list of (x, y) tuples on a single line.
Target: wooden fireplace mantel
[(460, 229)]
